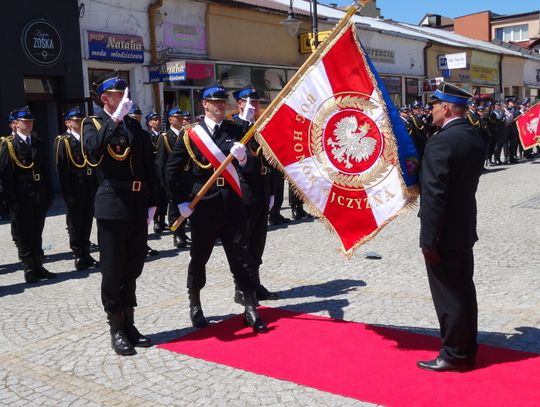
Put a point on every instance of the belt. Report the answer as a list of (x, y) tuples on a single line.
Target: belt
[(135, 186)]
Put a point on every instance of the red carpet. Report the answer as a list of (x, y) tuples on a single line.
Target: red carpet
[(368, 363)]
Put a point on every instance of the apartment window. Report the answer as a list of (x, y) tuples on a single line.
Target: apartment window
[(513, 33)]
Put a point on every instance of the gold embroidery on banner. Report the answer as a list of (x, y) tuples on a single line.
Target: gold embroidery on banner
[(382, 166)]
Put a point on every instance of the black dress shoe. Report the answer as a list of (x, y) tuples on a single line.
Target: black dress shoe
[(121, 345), (441, 365), (264, 295), (239, 297), (30, 277), (197, 317), (158, 228), (91, 261), (179, 242), (151, 252), (136, 338), (81, 264), (42, 272)]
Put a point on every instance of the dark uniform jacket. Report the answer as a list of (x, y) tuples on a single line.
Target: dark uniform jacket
[(255, 180), (165, 144), (184, 188), (25, 186), (451, 168), (417, 130), (126, 187), (77, 178)]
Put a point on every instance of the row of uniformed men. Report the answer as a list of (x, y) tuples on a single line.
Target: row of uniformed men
[(111, 157)]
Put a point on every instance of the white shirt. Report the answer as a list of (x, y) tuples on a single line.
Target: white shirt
[(211, 124), (26, 139), (75, 134), (175, 131)]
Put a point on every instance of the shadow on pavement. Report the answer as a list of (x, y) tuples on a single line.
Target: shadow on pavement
[(324, 290), (504, 341), (22, 286)]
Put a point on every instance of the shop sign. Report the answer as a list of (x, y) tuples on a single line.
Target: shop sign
[(452, 61), (307, 41), (115, 47), (484, 74), (185, 37), (168, 72), (384, 56), (41, 42)]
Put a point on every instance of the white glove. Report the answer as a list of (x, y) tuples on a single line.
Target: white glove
[(123, 107), (151, 213), (185, 210), (249, 112), (271, 203), (239, 152)]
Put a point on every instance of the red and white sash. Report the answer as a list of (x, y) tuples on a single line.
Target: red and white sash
[(214, 155)]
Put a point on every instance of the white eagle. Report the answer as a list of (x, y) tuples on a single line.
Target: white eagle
[(532, 125), (351, 144)]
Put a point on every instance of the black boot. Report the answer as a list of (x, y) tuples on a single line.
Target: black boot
[(179, 242), (119, 340), (262, 292), (196, 314), (30, 275), (132, 333), (80, 261), (251, 316), (89, 259), (41, 271)]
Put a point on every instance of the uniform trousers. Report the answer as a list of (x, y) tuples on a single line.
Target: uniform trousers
[(79, 218), (161, 210), (221, 218), (454, 296), (29, 220), (278, 184), (122, 251), (257, 215)]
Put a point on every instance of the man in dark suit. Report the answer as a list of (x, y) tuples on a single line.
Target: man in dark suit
[(178, 119), (25, 172), (78, 183), (255, 183), (126, 195), (451, 167), (220, 214)]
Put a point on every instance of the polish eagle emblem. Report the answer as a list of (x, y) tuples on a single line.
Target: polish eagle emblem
[(351, 142), (532, 125)]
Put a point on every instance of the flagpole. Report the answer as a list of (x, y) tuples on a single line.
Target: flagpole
[(249, 134)]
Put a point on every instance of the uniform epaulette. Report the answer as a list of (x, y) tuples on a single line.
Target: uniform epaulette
[(61, 136)]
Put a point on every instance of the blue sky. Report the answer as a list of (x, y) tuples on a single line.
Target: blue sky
[(412, 11)]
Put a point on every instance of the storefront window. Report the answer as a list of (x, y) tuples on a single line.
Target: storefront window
[(411, 91), (393, 86)]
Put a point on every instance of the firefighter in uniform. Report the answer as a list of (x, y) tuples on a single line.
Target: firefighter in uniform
[(177, 121), (136, 113), (153, 124), (220, 214), (25, 172), (256, 190), (122, 152), (78, 183), (417, 128)]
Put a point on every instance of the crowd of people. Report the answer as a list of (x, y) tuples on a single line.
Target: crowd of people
[(495, 120), (121, 169)]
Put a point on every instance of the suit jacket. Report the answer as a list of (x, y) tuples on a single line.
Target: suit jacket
[(26, 186), (452, 164), (76, 183), (185, 178), (256, 179), (116, 197)]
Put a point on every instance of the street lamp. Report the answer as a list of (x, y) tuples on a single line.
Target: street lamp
[(292, 24)]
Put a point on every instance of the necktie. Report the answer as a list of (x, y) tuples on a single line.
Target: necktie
[(216, 129), (29, 141)]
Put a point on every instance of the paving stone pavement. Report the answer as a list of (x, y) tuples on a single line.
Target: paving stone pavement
[(54, 343)]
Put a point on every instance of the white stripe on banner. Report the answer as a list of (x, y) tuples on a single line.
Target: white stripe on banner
[(307, 177), (386, 198), (215, 150), (314, 90)]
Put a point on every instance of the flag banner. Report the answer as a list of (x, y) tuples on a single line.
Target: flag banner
[(214, 155), (338, 139), (529, 128)]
